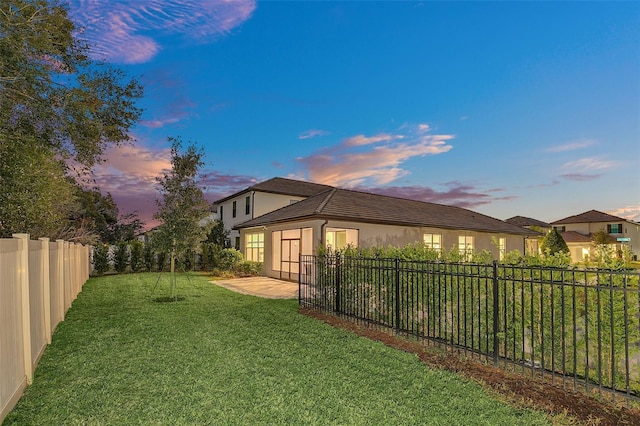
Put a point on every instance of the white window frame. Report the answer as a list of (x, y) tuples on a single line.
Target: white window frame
[(254, 246), (433, 241)]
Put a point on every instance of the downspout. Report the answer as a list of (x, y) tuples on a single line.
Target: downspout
[(322, 227), (253, 203)]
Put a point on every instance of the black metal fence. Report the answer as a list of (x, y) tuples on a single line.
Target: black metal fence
[(578, 327)]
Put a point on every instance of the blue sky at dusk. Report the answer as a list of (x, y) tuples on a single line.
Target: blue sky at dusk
[(506, 108)]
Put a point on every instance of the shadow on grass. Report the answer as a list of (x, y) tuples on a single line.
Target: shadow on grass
[(167, 299)]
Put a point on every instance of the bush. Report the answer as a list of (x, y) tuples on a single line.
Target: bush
[(121, 257), (101, 258), (162, 261), (229, 258), (136, 255), (147, 255), (248, 268)]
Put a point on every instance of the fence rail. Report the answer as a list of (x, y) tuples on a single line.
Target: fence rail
[(38, 282), (580, 328)]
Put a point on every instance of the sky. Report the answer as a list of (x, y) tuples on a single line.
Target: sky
[(505, 108)]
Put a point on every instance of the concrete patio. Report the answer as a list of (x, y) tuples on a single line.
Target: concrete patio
[(268, 288)]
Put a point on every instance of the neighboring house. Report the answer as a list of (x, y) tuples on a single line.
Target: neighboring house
[(533, 244), (338, 217), (578, 231), (258, 200)]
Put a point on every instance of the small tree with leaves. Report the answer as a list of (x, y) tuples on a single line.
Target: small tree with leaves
[(553, 243), (183, 209)]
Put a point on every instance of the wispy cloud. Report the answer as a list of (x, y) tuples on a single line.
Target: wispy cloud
[(589, 164), (167, 93), (572, 146), (120, 30), (455, 194), (313, 133), (373, 160), (363, 140), (580, 177)]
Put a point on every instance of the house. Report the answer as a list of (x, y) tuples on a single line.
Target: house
[(338, 217), (258, 200), (578, 231), (533, 244)]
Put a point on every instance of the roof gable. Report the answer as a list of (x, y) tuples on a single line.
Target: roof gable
[(589, 217), (283, 186), (358, 206)]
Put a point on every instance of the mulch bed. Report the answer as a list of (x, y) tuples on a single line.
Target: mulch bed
[(518, 389)]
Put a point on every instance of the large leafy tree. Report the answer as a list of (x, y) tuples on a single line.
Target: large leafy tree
[(57, 107), (183, 210)]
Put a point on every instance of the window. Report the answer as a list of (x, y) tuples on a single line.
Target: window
[(560, 228), (337, 239), (237, 245), (221, 214), (465, 245), (233, 213), (433, 241), (254, 247), (247, 205), (615, 228), (502, 248)]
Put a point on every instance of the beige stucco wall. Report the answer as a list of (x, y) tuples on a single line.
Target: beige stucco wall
[(372, 235), (261, 203), (629, 230)]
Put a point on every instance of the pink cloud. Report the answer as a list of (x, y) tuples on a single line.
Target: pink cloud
[(355, 161), (129, 175), (628, 212), (363, 140), (119, 29)]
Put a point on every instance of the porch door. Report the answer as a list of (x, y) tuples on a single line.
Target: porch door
[(290, 258)]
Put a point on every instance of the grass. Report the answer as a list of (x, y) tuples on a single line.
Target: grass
[(216, 357)]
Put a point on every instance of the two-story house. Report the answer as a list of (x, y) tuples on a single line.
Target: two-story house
[(578, 230), (257, 200)]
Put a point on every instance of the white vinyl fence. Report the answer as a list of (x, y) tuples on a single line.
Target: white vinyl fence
[(38, 282)]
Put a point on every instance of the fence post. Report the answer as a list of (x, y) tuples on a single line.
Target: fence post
[(496, 310), (397, 276), (338, 301), (26, 312), (46, 282)]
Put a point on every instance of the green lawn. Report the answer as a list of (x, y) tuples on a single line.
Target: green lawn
[(217, 357)]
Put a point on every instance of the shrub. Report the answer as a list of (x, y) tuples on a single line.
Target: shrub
[(147, 255), (136, 255), (101, 258), (121, 257), (248, 268), (229, 258)]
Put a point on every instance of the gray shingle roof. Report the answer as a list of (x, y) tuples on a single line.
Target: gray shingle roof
[(527, 221), (278, 185), (365, 207), (589, 217)]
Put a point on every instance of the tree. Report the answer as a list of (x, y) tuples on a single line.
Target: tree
[(57, 107), (35, 195), (218, 234), (183, 209), (553, 243)]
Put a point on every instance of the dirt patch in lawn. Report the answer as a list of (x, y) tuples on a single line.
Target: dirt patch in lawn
[(518, 389)]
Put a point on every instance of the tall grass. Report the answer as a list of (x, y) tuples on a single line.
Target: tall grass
[(123, 356)]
